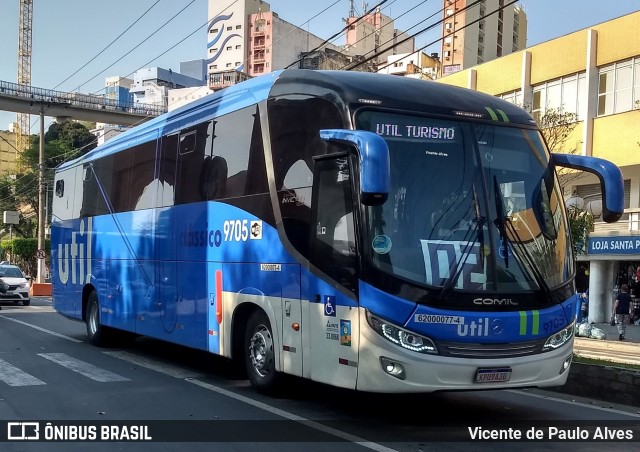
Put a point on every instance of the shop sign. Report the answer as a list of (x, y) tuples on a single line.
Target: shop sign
[(614, 245)]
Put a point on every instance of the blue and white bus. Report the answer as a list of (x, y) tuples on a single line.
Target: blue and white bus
[(361, 230)]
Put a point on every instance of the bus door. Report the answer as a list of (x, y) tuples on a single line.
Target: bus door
[(292, 352), (333, 310)]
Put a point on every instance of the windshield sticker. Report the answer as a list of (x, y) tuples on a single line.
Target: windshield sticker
[(381, 244), (416, 131), (442, 260)]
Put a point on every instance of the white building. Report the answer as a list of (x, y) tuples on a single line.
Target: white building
[(414, 65), (477, 35), (151, 85)]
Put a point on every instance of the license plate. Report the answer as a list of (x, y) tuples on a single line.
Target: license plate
[(493, 375)]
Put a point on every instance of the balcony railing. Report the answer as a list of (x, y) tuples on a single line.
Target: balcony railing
[(629, 226)]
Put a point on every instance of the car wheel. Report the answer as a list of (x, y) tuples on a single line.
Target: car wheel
[(98, 334), (260, 354)]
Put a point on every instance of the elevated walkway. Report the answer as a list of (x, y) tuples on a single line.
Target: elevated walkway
[(84, 107)]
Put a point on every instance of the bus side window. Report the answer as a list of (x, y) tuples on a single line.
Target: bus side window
[(238, 143), (194, 150)]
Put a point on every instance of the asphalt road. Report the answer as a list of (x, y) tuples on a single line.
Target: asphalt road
[(49, 373)]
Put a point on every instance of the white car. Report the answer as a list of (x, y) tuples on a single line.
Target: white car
[(15, 287)]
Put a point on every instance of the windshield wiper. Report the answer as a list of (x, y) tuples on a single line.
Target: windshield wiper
[(479, 220), (503, 223)]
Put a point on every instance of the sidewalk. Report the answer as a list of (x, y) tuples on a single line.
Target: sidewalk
[(611, 349)]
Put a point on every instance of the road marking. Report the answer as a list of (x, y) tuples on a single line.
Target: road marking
[(41, 329), (167, 369), (294, 417), (570, 402), (83, 368), (13, 376)]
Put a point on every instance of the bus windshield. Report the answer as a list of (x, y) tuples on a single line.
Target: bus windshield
[(473, 206)]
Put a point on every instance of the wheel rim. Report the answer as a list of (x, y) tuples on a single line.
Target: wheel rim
[(93, 319), (261, 351)]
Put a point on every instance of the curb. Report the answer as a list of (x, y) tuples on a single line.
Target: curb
[(629, 347), (606, 383)]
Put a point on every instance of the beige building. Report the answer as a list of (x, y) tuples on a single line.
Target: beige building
[(593, 73), (8, 153)]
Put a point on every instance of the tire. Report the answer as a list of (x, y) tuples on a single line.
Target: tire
[(98, 334), (260, 360)]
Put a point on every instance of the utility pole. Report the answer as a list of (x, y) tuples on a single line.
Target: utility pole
[(41, 198)]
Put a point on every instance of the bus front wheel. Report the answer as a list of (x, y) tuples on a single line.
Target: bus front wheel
[(95, 330), (260, 354)]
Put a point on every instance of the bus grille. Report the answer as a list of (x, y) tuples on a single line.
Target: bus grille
[(489, 351)]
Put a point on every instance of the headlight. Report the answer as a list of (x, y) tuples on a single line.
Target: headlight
[(560, 338), (400, 336)]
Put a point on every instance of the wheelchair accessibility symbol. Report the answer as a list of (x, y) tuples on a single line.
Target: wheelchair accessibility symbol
[(330, 305)]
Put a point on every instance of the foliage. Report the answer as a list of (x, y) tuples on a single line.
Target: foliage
[(581, 223), (62, 142), (21, 252)]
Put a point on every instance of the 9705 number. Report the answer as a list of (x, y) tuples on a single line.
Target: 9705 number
[(236, 230)]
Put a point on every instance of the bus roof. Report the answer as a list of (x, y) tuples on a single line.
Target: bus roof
[(353, 88)]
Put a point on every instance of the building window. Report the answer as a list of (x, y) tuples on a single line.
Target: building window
[(566, 94), (228, 64), (238, 27), (619, 87), (238, 46), (229, 47), (229, 28), (515, 97), (214, 30)]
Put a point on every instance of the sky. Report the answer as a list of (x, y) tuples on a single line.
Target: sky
[(68, 34)]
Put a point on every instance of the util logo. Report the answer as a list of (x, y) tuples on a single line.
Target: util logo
[(75, 258)]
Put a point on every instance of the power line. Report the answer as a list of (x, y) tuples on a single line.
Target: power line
[(361, 62), (138, 45), (110, 44), (300, 26), (461, 28), (394, 19), (346, 27)]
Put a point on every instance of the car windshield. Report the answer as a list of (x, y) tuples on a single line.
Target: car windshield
[(10, 272), (472, 206)]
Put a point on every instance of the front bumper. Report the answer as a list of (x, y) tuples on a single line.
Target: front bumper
[(19, 294), (428, 373)]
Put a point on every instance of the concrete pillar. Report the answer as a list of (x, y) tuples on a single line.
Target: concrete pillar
[(589, 106), (600, 291)]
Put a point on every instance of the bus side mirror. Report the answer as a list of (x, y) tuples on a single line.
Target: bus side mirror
[(610, 180), (373, 152)]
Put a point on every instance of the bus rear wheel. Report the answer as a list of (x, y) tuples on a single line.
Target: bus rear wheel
[(260, 354)]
